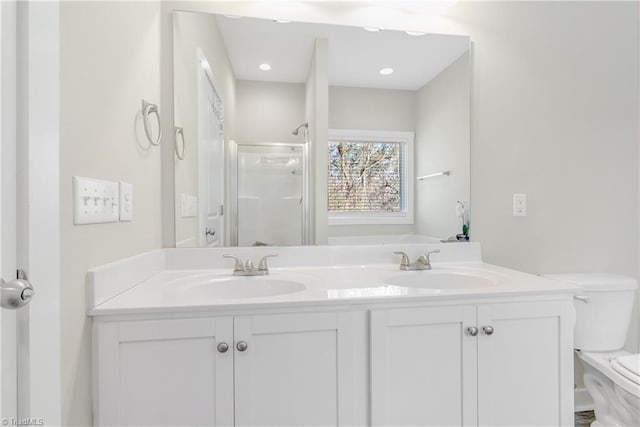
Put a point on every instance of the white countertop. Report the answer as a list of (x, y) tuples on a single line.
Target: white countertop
[(185, 290)]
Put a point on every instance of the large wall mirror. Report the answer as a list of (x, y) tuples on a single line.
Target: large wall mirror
[(292, 133)]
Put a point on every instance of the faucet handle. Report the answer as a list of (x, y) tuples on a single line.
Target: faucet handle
[(405, 259), (262, 265), (436, 251), (238, 266)]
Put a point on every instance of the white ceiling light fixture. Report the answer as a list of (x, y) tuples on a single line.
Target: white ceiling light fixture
[(415, 33), (372, 29), (265, 67), (282, 21), (386, 71)]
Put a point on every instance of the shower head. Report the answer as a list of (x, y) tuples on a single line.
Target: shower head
[(297, 130)]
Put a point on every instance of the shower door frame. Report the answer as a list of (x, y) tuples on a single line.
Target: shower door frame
[(233, 186)]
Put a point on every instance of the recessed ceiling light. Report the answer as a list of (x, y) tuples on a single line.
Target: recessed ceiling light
[(282, 21), (415, 33), (386, 71), (233, 16), (265, 67), (372, 29)]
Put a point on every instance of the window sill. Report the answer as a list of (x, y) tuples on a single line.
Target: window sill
[(338, 219)]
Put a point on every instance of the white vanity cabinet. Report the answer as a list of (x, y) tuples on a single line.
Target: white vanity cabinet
[(429, 368), (373, 364), (272, 369)]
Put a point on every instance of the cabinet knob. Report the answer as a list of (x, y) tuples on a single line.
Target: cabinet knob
[(223, 347), (472, 330), (488, 330), (242, 345)]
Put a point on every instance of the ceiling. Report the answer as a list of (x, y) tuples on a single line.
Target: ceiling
[(355, 55)]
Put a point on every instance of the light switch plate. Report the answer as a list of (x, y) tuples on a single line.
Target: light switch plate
[(95, 201), (193, 206), (126, 201), (188, 206), (519, 204)]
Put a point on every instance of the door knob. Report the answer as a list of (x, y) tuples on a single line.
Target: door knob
[(223, 347), (15, 293), (488, 330), (472, 330), (242, 346)]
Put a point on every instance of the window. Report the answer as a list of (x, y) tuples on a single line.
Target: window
[(370, 177)]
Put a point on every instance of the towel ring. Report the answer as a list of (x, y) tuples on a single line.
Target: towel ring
[(147, 110), (179, 132)]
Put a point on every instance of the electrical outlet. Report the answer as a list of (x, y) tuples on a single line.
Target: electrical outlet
[(95, 201), (519, 204)]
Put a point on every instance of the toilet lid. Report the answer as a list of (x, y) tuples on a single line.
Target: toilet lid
[(628, 366)]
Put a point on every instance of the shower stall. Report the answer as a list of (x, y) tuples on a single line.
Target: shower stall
[(270, 198)]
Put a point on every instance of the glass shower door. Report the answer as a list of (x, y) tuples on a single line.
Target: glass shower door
[(270, 195)]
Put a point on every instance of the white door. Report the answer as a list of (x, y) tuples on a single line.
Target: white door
[(210, 158), (29, 215), (423, 366), (295, 370), (525, 364), (8, 263)]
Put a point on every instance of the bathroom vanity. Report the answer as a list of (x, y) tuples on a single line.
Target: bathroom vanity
[(332, 336)]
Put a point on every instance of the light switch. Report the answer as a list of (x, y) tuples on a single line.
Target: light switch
[(126, 201), (95, 201), (519, 204)]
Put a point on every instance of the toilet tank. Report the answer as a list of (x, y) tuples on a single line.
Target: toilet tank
[(603, 309)]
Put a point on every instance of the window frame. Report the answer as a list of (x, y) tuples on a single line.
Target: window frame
[(407, 177)]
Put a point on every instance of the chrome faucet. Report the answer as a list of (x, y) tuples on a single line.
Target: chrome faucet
[(422, 263), (248, 268)]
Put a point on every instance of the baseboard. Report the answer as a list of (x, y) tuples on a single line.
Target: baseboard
[(582, 400)]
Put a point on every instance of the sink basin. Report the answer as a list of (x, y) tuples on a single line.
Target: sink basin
[(443, 280), (240, 287)]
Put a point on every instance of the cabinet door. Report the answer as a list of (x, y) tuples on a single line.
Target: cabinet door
[(297, 370), (164, 372), (423, 366), (525, 366)]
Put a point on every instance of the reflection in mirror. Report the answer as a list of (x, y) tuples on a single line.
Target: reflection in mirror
[(299, 133), (270, 194)]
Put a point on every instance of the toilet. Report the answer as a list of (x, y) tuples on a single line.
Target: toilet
[(611, 374)]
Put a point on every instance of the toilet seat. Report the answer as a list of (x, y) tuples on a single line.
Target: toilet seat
[(608, 364), (628, 366)]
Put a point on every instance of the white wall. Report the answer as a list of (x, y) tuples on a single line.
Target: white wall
[(109, 61), (317, 115), (371, 109), (442, 143), (309, 117), (269, 111), (553, 112), (193, 31)]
